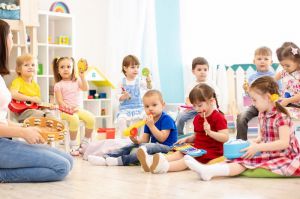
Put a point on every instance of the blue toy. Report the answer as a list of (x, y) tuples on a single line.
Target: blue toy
[(232, 148), (188, 149)]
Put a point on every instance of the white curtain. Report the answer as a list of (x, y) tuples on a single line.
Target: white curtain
[(228, 32)]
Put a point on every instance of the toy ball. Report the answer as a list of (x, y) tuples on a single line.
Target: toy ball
[(146, 72), (82, 65)]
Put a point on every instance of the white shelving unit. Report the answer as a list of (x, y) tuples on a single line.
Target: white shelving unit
[(98, 82), (52, 26)]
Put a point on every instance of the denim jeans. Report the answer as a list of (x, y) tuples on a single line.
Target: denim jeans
[(242, 122), (22, 162), (127, 155), (182, 118)]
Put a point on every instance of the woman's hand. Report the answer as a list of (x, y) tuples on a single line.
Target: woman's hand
[(32, 135), (250, 151)]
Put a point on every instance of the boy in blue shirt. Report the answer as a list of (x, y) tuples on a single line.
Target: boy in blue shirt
[(263, 61), (160, 130)]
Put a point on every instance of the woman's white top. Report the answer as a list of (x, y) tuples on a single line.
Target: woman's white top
[(5, 98)]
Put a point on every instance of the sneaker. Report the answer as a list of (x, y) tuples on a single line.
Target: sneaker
[(144, 158), (160, 164), (111, 161), (74, 151)]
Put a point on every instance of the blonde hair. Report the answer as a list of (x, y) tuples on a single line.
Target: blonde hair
[(265, 51), (21, 60), (153, 92), (55, 65)]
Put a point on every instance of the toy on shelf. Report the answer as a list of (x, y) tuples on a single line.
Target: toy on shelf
[(106, 133), (133, 129), (82, 65), (188, 149), (59, 6), (232, 148), (63, 40)]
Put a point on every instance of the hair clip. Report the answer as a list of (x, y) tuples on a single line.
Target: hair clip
[(57, 59), (274, 97), (294, 51)]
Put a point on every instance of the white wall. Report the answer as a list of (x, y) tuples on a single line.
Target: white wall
[(89, 31)]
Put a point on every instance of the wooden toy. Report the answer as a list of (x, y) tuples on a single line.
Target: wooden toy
[(51, 129), (188, 149), (20, 106), (82, 65), (133, 129)]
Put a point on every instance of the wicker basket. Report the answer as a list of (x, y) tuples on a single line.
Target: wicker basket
[(50, 128)]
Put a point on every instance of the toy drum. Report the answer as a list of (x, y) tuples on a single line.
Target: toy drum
[(232, 148), (51, 130)]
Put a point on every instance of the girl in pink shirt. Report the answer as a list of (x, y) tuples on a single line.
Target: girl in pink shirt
[(68, 93)]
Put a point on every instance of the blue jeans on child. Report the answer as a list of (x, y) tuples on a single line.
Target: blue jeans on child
[(182, 118), (22, 162), (242, 122), (127, 155)]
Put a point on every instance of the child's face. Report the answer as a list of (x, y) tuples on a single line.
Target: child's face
[(204, 106), (27, 69), (201, 71), (65, 68), (289, 65), (153, 105), (262, 62), (261, 101), (132, 71)]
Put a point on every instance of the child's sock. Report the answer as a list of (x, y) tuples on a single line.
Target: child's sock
[(84, 144), (160, 164), (144, 158), (96, 160), (74, 148), (111, 161), (206, 172)]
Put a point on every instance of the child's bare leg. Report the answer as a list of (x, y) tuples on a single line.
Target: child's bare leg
[(174, 156), (88, 133), (206, 172), (73, 135), (177, 165)]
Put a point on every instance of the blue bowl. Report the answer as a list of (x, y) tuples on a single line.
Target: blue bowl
[(232, 150)]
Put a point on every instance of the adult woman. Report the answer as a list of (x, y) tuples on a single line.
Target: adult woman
[(20, 161)]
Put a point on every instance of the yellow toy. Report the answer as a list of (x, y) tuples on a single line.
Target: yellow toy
[(133, 129), (82, 65)]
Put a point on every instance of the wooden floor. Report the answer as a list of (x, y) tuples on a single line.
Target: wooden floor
[(86, 181)]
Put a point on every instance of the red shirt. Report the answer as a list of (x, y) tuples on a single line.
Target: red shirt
[(214, 148)]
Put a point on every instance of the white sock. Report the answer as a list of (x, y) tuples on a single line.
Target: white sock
[(73, 143), (96, 160), (160, 164), (111, 161), (206, 172)]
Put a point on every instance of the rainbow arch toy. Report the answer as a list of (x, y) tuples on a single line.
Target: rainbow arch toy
[(59, 6)]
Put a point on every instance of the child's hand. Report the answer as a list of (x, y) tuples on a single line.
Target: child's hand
[(181, 141), (134, 139), (250, 151), (206, 126), (258, 140), (35, 99), (32, 135), (149, 120), (125, 96), (284, 102)]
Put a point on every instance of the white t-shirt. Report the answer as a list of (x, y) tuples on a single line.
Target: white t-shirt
[(5, 99), (210, 83)]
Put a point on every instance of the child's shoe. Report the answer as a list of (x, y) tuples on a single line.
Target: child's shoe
[(74, 151), (144, 158), (96, 160), (160, 164), (84, 144)]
